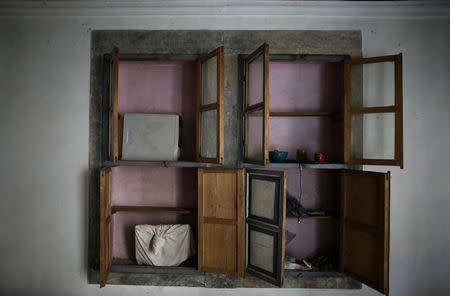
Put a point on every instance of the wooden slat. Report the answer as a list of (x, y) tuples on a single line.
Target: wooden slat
[(144, 209), (105, 225), (312, 217), (220, 101), (115, 105), (213, 106), (367, 110), (199, 114), (368, 161), (240, 192), (381, 59), (266, 106), (255, 107), (398, 149), (347, 123), (200, 218), (280, 114)]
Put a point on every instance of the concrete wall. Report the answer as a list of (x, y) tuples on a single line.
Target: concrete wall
[(44, 112)]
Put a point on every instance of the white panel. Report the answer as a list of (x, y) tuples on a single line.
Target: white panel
[(150, 137), (261, 250), (262, 198)]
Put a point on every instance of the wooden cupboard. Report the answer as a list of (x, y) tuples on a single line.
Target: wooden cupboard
[(239, 215)]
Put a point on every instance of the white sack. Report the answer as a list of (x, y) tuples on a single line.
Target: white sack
[(164, 245), (150, 137)]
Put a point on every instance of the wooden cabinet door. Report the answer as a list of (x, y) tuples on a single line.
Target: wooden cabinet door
[(210, 84), (221, 233), (256, 106), (105, 224), (364, 242), (368, 127), (265, 218)]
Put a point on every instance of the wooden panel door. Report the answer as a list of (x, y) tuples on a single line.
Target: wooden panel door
[(105, 224), (114, 107), (210, 84), (221, 233), (256, 106), (384, 122), (265, 218), (364, 242)]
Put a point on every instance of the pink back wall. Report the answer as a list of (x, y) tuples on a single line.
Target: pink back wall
[(154, 186), (306, 86), (168, 87)]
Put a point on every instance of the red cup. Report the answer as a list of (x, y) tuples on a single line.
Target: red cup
[(320, 157)]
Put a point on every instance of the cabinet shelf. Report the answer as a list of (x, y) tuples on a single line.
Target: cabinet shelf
[(313, 217), (156, 210)]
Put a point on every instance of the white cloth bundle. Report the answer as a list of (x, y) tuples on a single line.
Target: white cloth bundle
[(164, 245)]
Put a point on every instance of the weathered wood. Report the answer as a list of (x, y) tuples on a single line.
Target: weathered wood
[(219, 225), (115, 105), (398, 149), (218, 106), (364, 219), (144, 209)]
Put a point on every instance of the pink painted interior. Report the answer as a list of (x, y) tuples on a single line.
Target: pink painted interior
[(255, 135), (149, 186), (313, 237), (320, 189), (301, 86), (154, 186), (123, 237), (312, 134), (306, 86), (168, 87)]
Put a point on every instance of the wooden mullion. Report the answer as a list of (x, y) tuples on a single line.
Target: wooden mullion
[(255, 107), (200, 214), (347, 107), (240, 222), (204, 108), (115, 104), (381, 59), (398, 149), (215, 52), (220, 102), (370, 161), (199, 113), (368, 110), (266, 107)]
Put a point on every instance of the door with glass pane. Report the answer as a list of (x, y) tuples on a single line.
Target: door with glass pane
[(373, 112), (265, 224), (210, 71), (256, 106)]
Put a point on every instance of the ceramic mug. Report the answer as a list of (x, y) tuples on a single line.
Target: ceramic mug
[(320, 157)]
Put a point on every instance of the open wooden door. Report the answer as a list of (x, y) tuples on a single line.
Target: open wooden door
[(373, 112), (364, 242), (256, 106), (210, 71), (265, 219), (221, 232), (114, 107), (105, 224)]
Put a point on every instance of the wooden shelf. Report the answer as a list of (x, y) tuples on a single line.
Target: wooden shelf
[(282, 114), (142, 209), (313, 217)]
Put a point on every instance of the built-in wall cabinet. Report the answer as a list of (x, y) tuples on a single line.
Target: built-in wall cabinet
[(239, 215)]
